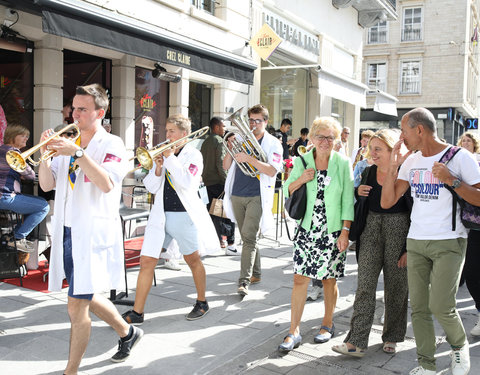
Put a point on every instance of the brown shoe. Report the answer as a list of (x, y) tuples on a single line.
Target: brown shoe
[(255, 280)]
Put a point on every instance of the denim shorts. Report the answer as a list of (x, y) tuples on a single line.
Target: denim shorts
[(68, 264), (180, 227)]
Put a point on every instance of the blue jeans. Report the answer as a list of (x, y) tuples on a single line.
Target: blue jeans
[(68, 266), (33, 209)]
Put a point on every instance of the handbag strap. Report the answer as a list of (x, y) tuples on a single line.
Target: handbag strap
[(301, 221)]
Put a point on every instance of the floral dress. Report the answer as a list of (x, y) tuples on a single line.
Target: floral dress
[(315, 252)]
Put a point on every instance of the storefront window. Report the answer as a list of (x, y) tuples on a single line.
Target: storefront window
[(16, 91), (338, 110), (151, 108), (199, 105), (284, 93)]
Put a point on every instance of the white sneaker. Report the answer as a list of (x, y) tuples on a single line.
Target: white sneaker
[(460, 360), (421, 371), (314, 293), (476, 330), (231, 250), (23, 245), (172, 264), (382, 318)]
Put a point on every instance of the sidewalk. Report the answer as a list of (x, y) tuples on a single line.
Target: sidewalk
[(235, 337)]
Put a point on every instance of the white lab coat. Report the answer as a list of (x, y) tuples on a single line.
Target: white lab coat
[(185, 172), (274, 151), (97, 247)]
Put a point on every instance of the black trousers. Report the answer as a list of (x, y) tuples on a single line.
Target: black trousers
[(224, 227), (472, 265)]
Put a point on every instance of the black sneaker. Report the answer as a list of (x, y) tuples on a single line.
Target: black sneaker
[(199, 310), (124, 347), (131, 317)]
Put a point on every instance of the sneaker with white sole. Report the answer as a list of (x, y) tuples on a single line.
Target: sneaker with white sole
[(172, 264), (476, 330), (382, 318), (421, 371), (460, 360), (314, 293), (231, 250), (23, 245), (125, 347)]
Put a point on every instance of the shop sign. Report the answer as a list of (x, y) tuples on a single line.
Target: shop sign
[(176, 57), (147, 103), (290, 32), (471, 123), (265, 41)]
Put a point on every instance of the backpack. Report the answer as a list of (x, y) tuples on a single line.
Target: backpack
[(469, 214)]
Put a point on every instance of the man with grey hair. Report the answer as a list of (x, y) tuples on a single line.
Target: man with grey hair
[(436, 249)]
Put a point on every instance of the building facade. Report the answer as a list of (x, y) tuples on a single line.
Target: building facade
[(428, 57)]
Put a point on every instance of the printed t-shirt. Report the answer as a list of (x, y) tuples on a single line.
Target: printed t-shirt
[(431, 217)]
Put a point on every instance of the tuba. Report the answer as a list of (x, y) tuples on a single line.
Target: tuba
[(145, 157), (247, 144), (18, 161)]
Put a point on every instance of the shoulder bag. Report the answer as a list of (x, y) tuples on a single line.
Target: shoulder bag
[(297, 202), (360, 209)]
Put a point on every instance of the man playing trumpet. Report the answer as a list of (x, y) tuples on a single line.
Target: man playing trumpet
[(87, 235), (249, 200), (178, 218)]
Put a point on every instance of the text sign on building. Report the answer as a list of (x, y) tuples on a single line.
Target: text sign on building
[(471, 123), (265, 41), (294, 35)]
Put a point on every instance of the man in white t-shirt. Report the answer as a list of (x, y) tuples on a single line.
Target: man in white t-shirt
[(435, 252)]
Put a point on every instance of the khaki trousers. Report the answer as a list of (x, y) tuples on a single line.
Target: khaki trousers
[(434, 268), (248, 212)]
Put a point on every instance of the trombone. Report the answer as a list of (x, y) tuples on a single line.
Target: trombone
[(145, 157), (18, 161)]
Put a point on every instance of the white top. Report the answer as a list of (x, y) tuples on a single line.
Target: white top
[(97, 240), (274, 151), (431, 217), (185, 172)]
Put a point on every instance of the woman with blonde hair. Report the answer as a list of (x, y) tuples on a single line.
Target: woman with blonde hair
[(469, 141), (319, 247), (381, 247), (33, 208)]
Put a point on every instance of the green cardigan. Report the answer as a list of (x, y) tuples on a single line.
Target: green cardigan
[(338, 193)]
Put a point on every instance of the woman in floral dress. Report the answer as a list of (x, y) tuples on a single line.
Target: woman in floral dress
[(319, 248)]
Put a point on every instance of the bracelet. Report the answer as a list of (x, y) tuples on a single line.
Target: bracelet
[(346, 228)]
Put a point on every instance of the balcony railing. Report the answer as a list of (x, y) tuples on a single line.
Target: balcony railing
[(410, 86), (412, 32), (376, 37), (206, 5)]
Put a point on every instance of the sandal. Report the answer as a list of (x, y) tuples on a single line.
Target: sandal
[(343, 349), (390, 347)]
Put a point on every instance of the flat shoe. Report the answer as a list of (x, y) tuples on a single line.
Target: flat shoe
[(390, 347), (343, 349), (288, 346), (324, 337)]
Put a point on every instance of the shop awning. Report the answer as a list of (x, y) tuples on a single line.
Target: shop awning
[(385, 103), (103, 28), (341, 87)]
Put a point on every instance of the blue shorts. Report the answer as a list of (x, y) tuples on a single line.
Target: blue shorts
[(180, 227), (68, 264)]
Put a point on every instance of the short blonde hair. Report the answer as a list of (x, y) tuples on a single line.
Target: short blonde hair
[(473, 137), (387, 136), (367, 134), (182, 122), (325, 123), (12, 131)]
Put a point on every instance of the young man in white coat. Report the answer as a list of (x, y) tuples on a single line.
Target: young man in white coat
[(178, 218), (249, 200), (87, 236)]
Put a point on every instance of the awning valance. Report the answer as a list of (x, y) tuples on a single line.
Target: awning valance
[(385, 103), (93, 25), (341, 87)]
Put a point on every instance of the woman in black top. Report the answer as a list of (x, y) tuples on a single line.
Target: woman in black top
[(382, 247)]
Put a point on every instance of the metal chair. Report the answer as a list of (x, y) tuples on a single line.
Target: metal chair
[(8, 221), (128, 214)]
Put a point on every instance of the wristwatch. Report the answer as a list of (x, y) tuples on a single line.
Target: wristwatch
[(456, 183), (78, 154)]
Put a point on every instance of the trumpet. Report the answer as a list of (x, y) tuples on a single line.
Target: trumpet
[(249, 145), (145, 157), (302, 150), (18, 161)]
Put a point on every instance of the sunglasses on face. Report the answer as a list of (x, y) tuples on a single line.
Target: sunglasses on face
[(256, 121)]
